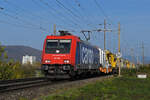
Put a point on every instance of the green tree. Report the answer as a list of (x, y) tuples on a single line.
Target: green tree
[(3, 54), (10, 69)]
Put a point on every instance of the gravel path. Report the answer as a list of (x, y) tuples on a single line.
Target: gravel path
[(36, 92)]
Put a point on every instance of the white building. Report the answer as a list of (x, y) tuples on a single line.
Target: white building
[(28, 59)]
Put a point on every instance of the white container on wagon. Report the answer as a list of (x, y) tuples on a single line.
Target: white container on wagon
[(102, 56)]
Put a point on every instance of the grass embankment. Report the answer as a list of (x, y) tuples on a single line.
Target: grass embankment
[(127, 87)]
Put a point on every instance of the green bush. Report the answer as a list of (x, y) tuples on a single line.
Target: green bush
[(13, 69)]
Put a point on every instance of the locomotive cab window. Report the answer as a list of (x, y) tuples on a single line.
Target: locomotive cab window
[(58, 46)]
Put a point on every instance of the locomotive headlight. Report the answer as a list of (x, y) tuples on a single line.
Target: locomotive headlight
[(66, 61), (47, 61)]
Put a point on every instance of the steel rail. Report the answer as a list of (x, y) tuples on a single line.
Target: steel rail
[(8, 85), (17, 84)]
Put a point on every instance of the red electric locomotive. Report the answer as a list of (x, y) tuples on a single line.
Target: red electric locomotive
[(67, 56)]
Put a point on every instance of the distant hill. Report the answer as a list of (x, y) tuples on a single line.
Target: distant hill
[(16, 52)]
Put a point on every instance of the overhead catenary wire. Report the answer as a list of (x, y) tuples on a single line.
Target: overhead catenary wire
[(87, 15), (71, 12), (50, 13), (89, 20), (76, 17), (38, 4), (66, 8), (75, 10), (31, 15), (103, 12), (73, 22), (84, 15), (16, 16), (20, 20), (59, 12), (20, 25), (18, 8)]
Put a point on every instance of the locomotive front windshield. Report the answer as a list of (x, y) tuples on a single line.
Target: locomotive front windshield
[(58, 46)]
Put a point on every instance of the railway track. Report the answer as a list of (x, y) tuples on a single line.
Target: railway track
[(9, 85), (33, 87), (17, 84)]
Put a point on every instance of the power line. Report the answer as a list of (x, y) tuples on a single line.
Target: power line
[(24, 10), (39, 5), (20, 20), (85, 14), (47, 4), (80, 14), (20, 25), (104, 30), (86, 31), (62, 17), (105, 15), (76, 10), (68, 10), (32, 16)]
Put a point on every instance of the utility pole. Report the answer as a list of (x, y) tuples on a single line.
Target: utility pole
[(137, 55), (143, 52), (137, 58), (132, 54), (119, 48), (104, 34), (137, 65), (54, 29), (104, 30)]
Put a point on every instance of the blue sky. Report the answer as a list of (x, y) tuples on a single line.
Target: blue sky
[(27, 22)]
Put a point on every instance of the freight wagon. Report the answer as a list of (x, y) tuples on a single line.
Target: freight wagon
[(108, 62)]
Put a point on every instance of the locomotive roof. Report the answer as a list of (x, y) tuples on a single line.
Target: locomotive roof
[(71, 37), (61, 37)]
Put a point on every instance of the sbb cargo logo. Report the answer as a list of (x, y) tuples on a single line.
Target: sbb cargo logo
[(87, 56)]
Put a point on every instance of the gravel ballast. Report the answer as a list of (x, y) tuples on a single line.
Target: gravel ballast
[(36, 92)]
